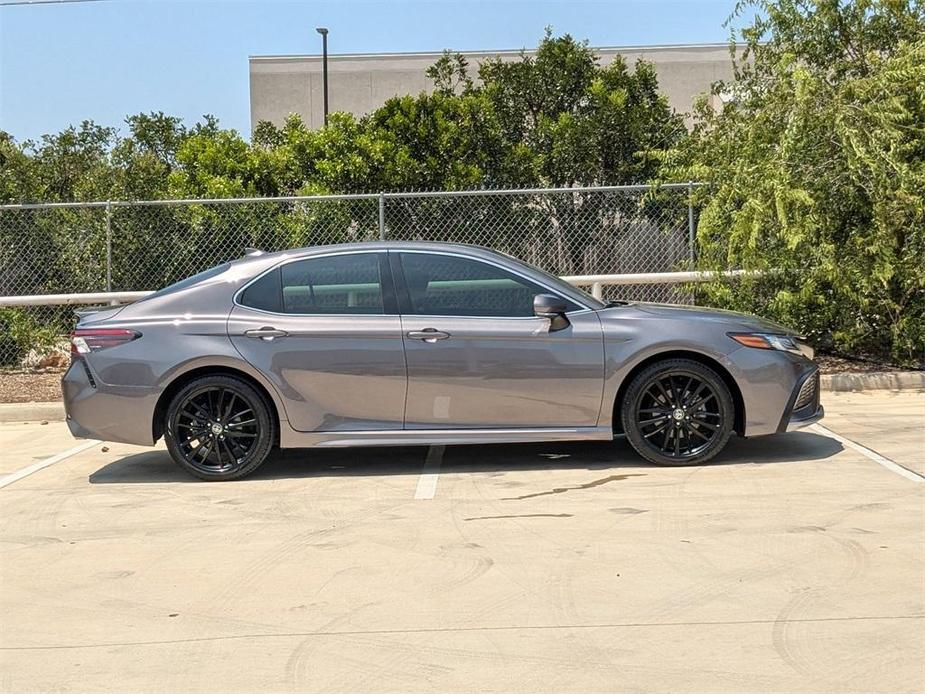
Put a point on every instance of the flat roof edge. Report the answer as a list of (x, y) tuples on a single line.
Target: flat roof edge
[(486, 52)]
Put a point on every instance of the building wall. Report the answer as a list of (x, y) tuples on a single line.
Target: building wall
[(280, 85)]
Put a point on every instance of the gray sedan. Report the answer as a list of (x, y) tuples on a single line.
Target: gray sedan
[(381, 344)]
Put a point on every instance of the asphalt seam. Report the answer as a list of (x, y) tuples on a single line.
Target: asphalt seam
[(450, 630)]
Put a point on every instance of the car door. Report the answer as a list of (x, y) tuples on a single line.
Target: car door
[(326, 331), (479, 358)]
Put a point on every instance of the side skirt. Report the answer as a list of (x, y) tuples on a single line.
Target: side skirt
[(438, 437)]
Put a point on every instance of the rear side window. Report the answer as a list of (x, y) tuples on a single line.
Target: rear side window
[(264, 294), (445, 285), (339, 284)]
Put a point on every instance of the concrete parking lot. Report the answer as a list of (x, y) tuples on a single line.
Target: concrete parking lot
[(793, 563)]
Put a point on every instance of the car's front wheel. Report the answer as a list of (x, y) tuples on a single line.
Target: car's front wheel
[(219, 428), (677, 412)]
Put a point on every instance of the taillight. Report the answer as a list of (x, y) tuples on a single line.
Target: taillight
[(86, 340)]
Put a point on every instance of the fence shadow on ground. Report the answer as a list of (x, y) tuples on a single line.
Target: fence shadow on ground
[(156, 467)]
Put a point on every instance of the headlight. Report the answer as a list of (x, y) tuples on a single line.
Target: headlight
[(782, 343)]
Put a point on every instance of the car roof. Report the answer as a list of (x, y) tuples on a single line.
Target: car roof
[(467, 248), (267, 260)]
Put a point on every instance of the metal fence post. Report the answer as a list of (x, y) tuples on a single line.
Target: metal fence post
[(108, 246), (690, 221), (382, 216)]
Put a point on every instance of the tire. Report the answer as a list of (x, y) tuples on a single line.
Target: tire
[(677, 412), (219, 428)]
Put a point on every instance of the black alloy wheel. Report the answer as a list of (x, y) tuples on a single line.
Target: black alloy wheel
[(678, 412), (219, 428)]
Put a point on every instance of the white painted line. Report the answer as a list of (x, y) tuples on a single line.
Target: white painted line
[(427, 482), (35, 467), (872, 455)]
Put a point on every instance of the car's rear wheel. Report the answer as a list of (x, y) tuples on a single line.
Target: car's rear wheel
[(219, 428), (678, 412)]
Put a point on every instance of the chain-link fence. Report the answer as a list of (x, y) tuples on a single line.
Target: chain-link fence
[(133, 246)]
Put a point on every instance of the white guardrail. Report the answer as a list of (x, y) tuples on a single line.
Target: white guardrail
[(595, 282)]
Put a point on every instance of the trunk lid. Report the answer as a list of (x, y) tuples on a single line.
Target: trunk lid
[(94, 314)]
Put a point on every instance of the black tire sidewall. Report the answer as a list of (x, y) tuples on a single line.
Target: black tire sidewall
[(635, 392), (266, 425)]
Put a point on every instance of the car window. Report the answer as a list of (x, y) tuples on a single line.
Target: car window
[(265, 293), (445, 285), (348, 283), (190, 281)]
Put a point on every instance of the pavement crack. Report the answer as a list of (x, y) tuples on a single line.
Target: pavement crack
[(523, 515), (453, 630), (587, 485)]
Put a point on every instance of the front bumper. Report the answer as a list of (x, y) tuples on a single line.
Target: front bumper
[(802, 422), (803, 407), (95, 410)]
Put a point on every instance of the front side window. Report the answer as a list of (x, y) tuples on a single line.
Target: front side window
[(337, 284), (445, 285)]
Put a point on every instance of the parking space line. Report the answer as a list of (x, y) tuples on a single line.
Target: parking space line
[(427, 482), (35, 467), (890, 465)]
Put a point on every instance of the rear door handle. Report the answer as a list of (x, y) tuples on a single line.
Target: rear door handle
[(427, 335), (266, 333)]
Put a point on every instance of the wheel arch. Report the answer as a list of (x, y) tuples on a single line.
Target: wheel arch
[(737, 399), (174, 387)]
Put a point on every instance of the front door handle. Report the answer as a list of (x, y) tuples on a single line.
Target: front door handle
[(266, 333), (428, 335)]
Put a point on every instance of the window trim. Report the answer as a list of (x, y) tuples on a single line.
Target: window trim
[(386, 282), (404, 297)]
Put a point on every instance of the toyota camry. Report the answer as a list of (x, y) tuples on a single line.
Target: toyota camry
[(379, 344)]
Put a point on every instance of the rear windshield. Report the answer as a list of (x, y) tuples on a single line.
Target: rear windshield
[(190, 281)]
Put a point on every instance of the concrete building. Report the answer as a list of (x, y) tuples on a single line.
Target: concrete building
[(360, 83)]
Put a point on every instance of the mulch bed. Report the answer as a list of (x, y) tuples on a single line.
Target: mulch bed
[(44, 385), (30, 385), (829, 364)]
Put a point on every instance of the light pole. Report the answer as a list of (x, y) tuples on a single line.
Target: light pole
[(324, 67)]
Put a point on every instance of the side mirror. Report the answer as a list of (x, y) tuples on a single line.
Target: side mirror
[(552, 307), (548, 306)]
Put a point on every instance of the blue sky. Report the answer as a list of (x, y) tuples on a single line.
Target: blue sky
[(63, 63)]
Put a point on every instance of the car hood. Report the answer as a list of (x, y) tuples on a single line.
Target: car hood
[(733, 319)]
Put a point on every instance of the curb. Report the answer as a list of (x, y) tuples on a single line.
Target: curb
[(837, 383), (880, 380), (32, 412)]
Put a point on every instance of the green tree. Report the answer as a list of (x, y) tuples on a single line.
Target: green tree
[(575, 122), (144, 160), (816, 168)]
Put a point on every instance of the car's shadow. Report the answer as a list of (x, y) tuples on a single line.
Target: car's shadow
[(155, 467)]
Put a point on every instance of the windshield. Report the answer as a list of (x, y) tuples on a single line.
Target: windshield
[(189, 281), (566, 287)]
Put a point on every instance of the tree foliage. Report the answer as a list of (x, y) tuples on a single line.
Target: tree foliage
[(551, 118), (816, 168)]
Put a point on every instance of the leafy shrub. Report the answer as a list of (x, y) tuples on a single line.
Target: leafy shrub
[(816, 168), (19, 333)]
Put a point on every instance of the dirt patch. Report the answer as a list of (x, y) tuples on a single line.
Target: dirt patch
[(30, 385), (830, 364)]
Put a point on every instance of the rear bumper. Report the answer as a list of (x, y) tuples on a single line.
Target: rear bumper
[(95, 410)]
